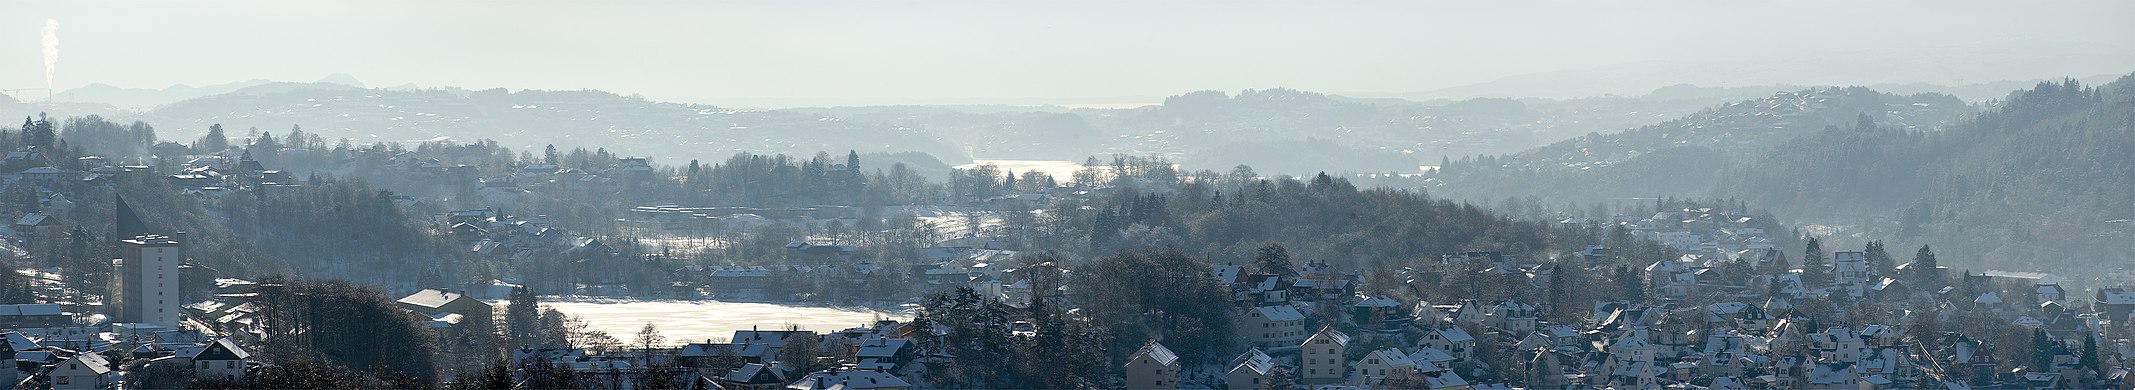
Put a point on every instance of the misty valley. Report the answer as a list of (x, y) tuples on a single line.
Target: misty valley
[(960, 195)]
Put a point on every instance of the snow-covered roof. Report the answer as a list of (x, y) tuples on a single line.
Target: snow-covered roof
[(31, 219), (1279, 313), (1455, 334), (17, 342), (1156, 351), (1392, 356), (1376, 301), (1225, 273), (882, 347), (1989, 298), (1331, 335), (2116, 296), (1254, 360), (853, 379), (431, 298)]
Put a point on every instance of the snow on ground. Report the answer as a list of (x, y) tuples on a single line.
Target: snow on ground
[(955, 222), (696, 321), (1060, 170), (679, 243)]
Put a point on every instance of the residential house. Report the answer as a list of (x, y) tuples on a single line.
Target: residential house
[(1838, 344), (2050, 292), (1832, 375), (33, 315), (752, 376), (1380, 364), (1323, 357), (708, 355), (1251, 370), (763, 346), (1512, 316), (2115, 302), (883, 353), (222, 359), (837, 379), (1451, 339), (82, 371), (451, 313), (1153, 367), (1738, 315), (11, 344), (1274, 325), (1849, 268), (35, 226), (1376, 313)]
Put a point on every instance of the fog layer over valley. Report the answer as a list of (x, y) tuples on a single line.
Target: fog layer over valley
[(962, 194)]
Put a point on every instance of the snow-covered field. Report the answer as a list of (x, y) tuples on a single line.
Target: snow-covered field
[(955, 222), (696, 321), (1061, 171)]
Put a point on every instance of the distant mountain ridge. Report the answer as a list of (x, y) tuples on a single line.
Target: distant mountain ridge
[(1983, 64), (144, 98), (1205, 130), (529, 120), (1200, 130)]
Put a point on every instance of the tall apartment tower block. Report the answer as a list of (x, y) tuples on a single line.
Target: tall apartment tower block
[(147, 273), (145, 276)]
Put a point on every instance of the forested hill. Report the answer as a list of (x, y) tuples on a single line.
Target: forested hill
[(1684, 157), (2043, 181)]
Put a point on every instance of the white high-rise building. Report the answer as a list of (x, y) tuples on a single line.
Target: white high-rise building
[(147, 276)]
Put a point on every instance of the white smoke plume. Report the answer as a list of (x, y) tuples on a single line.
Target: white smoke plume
[(51, 51)]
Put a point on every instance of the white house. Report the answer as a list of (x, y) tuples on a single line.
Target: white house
[(1251, 370), (1322, 358), (1153, 367), (83, 371), (1268, 326), (1451, 339), (221, 359), (1850, 268), (1380, 364)]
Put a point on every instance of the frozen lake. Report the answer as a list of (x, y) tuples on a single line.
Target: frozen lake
[(695, 321)]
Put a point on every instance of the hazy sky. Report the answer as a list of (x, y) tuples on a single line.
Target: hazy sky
[(963, 51)]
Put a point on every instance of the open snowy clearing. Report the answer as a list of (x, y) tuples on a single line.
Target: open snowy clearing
[(696, 321)]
